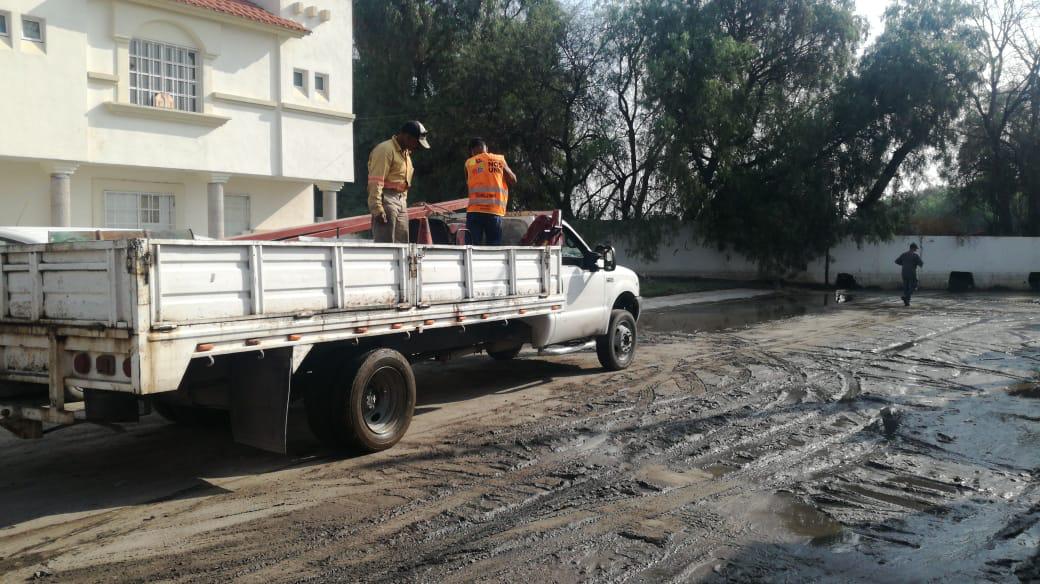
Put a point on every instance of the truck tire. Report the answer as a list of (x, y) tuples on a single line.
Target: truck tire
[(617, 348), (505, 354), (368, 406), (193, 416)]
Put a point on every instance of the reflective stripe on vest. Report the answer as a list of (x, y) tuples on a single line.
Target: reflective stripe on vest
[(485, 178)]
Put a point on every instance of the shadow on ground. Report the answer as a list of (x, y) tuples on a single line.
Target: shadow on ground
[(91, 468)]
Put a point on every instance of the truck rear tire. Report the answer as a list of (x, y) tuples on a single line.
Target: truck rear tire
[(617, 348), (368, 406)]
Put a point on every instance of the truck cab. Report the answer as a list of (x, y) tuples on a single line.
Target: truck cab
[(595, 286)]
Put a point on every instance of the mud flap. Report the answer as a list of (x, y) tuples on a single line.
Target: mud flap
[(260, 398)]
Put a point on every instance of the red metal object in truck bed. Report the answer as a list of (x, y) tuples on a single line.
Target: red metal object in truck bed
[(348, 224)]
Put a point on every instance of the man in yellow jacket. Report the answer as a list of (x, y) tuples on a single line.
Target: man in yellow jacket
[(389, 176), (488, 178)]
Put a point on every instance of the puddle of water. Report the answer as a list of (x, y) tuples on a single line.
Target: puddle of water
[(805, 520), (729, 315), (785, 515)]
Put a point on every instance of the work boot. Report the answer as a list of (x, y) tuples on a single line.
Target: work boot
[(906, 301)]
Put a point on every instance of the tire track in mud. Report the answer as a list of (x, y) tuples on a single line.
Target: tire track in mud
[(608, 488), (657, 473)]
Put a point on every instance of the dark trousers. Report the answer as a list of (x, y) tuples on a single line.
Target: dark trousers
[(483, 229), (909, 285)]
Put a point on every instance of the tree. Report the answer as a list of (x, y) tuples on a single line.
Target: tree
[(519, 73), (629, 184), (997, 158), (743, 85), (782, 141), (561, 137)]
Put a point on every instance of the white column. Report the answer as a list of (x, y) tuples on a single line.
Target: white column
[(122, 68), (61, 192), (329, 190), (215, 190)]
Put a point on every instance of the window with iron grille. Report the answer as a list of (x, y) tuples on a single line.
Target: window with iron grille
[(131, 210), (159, 68)]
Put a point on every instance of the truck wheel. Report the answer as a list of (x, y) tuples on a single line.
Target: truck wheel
[(505, 354), (191, 415), (616, 348), (369, 406)]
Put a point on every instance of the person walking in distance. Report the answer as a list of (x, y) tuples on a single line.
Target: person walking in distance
[(488, 178), (389, 176), (910, 262)]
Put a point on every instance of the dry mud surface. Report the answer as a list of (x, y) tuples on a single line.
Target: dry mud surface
[(862, 442)]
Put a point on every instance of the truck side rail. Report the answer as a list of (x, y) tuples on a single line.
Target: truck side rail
[(199, 282)]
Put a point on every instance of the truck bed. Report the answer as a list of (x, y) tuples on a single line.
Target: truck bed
[(160, 303)]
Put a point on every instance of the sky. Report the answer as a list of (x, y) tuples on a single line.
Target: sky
[(872, 10)]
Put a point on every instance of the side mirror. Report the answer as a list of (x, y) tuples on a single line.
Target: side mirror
[(606, 252)]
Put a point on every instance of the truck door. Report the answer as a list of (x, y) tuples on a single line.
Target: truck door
[(585, 314)]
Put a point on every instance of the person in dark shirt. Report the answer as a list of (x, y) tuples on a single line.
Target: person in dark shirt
[(910, 262)]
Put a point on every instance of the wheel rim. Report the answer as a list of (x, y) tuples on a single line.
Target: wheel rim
[(383, 400), (624, 341)]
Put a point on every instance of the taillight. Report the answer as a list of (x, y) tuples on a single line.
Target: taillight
[(127, 367), (106, 364), (81, 363)]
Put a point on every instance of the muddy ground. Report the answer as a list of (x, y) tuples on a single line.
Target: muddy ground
[(854, 442)]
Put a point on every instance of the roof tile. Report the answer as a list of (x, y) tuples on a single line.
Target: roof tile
[(247, 10)]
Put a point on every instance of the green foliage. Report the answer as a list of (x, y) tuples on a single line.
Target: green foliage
[(764, 123), (519, 74), (946, 211), (782, 143)]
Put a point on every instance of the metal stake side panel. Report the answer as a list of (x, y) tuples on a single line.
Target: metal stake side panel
[(219, 298)]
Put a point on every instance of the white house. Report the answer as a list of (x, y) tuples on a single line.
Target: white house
[(211, 115)]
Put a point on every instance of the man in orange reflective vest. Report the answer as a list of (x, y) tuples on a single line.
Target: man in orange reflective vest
[(488, 179)]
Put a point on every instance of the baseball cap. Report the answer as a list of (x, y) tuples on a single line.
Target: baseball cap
[(416, 130)]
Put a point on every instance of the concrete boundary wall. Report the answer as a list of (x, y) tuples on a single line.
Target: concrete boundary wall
[(1004, 262)]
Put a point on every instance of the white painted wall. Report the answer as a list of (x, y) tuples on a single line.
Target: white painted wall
[(43, 92), (994, 261), (312, 144)]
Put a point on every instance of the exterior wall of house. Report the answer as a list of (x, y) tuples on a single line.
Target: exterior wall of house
[(272, 204), (70, 110)]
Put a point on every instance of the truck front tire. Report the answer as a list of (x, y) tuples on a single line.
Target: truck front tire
[(617, 348), (368, 406)]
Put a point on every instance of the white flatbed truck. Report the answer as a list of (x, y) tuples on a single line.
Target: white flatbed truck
[(103, 331)]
